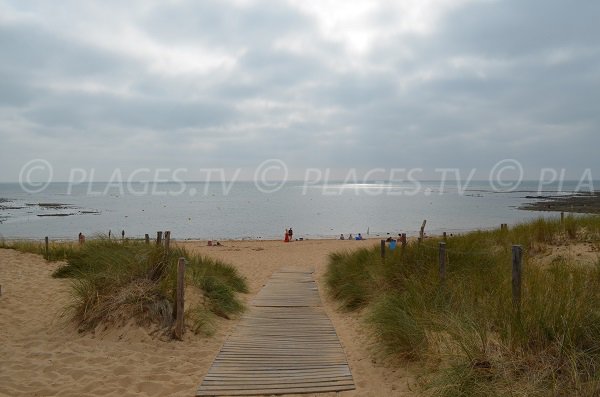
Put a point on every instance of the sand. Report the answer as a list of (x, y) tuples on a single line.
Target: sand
[(42, 354)]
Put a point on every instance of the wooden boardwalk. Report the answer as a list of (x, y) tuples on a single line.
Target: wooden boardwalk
[(285, 344)]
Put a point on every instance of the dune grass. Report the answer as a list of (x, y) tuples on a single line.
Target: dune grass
[(57, 251), (465, 331), (115, 281)]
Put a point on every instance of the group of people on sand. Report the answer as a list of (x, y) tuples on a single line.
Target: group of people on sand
[(351, 237), (289, 235)]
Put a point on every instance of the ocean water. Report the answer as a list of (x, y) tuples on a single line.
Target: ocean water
[(244, 210)]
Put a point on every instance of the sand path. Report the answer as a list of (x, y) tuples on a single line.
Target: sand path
[(42, 355)]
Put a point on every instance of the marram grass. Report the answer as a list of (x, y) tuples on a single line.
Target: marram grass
[(115, 281), (465, 332)]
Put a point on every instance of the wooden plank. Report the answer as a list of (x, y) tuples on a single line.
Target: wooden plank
[(283, 390), (286, 344)]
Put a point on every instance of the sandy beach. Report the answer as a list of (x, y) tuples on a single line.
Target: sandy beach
[(42, 354)]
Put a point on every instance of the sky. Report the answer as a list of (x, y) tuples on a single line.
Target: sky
[(316, 84)]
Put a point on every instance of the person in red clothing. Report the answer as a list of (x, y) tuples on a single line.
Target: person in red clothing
[(287, 236)]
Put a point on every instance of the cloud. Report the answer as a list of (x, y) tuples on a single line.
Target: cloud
[(434, 83)]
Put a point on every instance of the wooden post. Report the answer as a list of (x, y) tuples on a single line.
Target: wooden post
[(147, 238), (422, 231), (517, 257), (562, 218), (383, 250), (158, 238), (442, 261), (167, 240), (179, 300), (47, 250), (445, 236)]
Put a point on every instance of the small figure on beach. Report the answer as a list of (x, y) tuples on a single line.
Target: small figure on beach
[(342, 236), (81, 238), (122, 234), (286, 237), (359, 237), (350, 237), (291, 234)]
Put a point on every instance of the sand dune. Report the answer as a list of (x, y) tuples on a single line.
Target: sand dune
[(41, 354)]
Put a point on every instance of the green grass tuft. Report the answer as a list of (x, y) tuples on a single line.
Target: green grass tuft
[(465, 331), (115, 281)]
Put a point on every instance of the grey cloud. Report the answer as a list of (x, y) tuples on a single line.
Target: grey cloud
[(528, 88), (224, 25), (87, 111)]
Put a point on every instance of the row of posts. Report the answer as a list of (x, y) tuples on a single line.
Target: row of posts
[(517, 264)]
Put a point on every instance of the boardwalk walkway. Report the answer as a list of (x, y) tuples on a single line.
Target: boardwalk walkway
[(284, 344)]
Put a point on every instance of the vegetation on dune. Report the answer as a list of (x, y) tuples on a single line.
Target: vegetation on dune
[(115, 281), (57, 251), (465, 331)]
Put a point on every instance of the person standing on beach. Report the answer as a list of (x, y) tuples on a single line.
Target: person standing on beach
[(291, 234), (286, 237)]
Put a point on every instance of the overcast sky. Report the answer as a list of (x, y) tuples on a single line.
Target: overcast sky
[(209, 84)]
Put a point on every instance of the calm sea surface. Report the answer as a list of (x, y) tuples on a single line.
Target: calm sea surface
[(243, 210)]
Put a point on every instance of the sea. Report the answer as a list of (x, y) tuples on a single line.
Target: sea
[(247, 210)]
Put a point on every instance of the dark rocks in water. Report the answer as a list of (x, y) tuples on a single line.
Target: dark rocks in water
[(581, 203), (92, 212), (55, 215), (56, 206), (6, 207)]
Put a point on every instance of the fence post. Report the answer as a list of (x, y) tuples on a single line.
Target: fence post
[(167, 240), (422, 231), (383, 250), (179, 300), (158, 238), (445, 236), (147, 238), (442, 261), (47, 250), (517, 258)]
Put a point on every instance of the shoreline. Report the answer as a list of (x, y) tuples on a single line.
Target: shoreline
[(409, 233)]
